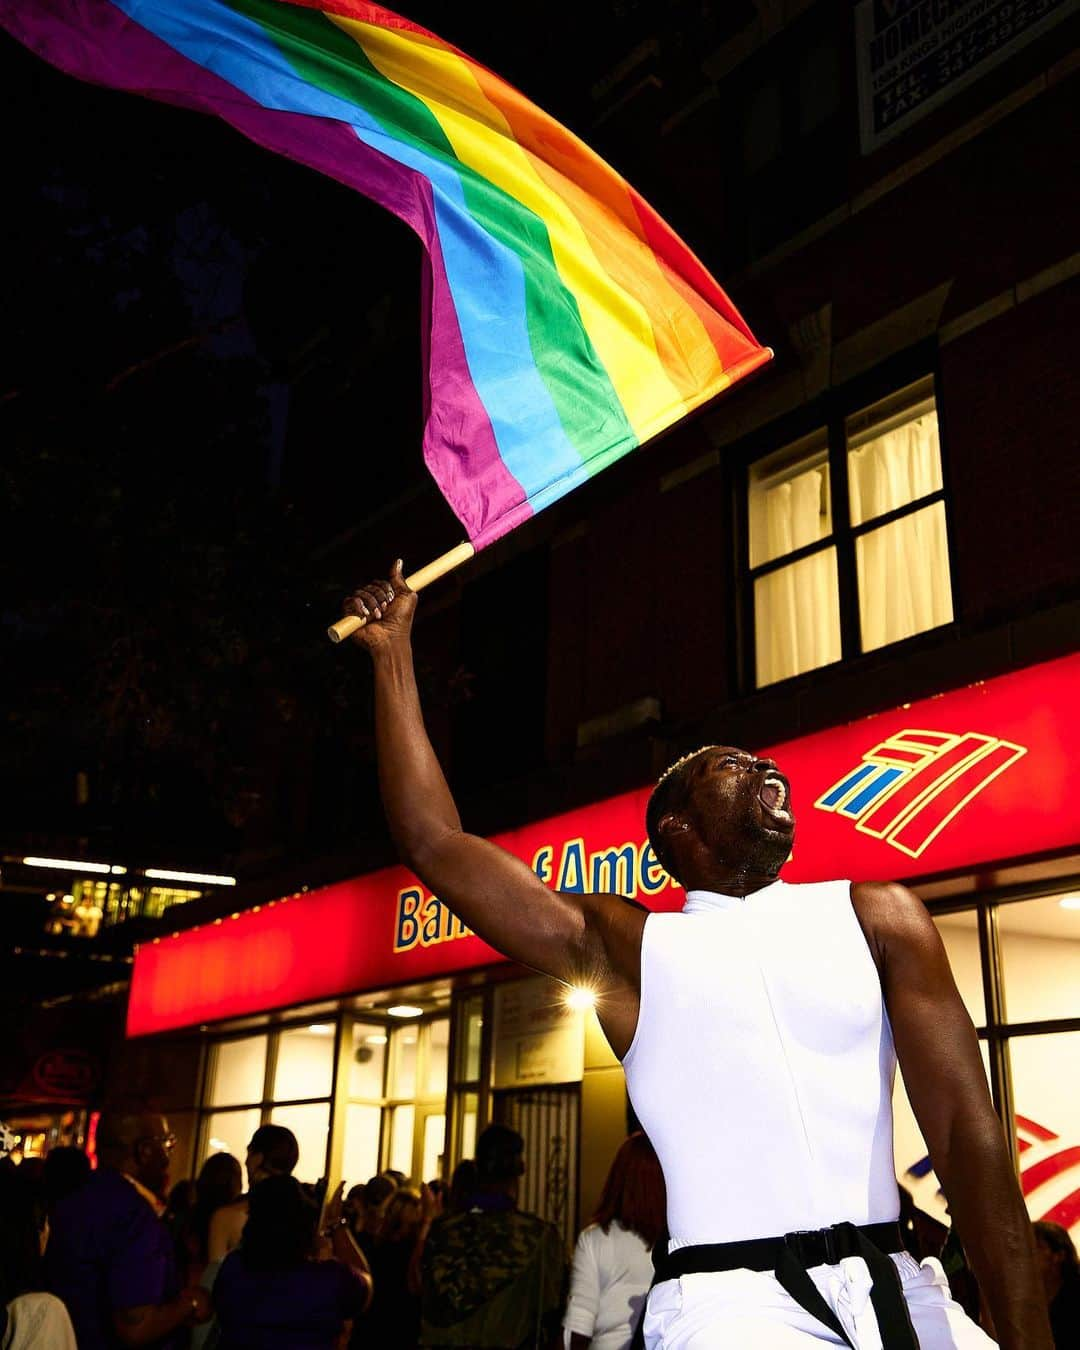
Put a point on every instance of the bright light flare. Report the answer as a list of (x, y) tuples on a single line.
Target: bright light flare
[(1070, 902), (580, 1000), (405, 1010)]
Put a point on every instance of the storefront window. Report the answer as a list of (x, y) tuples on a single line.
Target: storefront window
[(434, 1144), (472, 1031), (368, 1063), (436, 1059), (401, 1139), (1040, 956), (1046, 1087), (305, 1062), (403, 1054), (237, 1071), (960, 934), (360, 1160), (230, 1132), (470, 1113), (311, 1125)]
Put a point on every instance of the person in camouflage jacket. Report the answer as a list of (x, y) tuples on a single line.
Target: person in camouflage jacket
[(493, 1277)]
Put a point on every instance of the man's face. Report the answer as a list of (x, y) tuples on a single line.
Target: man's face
[(252, 1163), (740, 808), (153, 1151)]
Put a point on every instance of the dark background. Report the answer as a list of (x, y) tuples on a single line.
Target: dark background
[(210, 389)]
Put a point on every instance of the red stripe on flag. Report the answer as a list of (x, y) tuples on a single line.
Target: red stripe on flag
[(1050, 1167)]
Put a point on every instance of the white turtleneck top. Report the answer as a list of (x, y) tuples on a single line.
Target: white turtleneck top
[(762, 1064)]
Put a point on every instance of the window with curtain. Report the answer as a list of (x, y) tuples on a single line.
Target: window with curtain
[(902, 565), (793, 561), (847, 545)]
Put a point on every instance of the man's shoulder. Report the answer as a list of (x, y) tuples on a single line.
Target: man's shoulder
[(888, 907), (105, 1191)]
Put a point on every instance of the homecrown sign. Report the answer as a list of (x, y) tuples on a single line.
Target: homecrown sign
[(976, 776)]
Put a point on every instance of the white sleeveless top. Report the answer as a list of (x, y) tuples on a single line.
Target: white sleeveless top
[(762, 1065)]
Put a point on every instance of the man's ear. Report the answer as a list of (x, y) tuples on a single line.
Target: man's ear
[(673, 823)]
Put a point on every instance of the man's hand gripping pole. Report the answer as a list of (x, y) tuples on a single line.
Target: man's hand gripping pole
[(345, 627)]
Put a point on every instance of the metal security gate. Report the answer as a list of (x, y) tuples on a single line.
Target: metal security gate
[(548, 1120)]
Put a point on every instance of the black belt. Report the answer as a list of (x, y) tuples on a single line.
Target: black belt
[(792, 1256)]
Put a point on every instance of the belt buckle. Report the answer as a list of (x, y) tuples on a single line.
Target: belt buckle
[(808, 1242)]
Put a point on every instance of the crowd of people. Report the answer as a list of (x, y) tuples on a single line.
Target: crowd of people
[(108, 1258)]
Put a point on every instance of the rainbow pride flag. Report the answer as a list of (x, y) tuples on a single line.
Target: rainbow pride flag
[(567, 324)]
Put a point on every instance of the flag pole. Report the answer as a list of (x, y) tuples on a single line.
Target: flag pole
[(339, 631)]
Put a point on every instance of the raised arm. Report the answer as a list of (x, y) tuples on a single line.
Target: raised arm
[(592, 938), (943, 1072)]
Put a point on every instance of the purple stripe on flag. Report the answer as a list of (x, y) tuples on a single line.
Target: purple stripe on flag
[(482, 492)]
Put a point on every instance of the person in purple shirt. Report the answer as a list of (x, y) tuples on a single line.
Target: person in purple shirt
[(110, 1257), (271, 1293)]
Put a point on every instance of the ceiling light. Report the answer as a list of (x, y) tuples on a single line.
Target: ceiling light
[(207, 878), (321, 1029), (581, 1000), (405, 1010), (374, 1040), (67, 864), (1070, 902)]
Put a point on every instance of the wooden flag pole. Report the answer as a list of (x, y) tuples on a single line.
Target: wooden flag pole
[(339, 631)]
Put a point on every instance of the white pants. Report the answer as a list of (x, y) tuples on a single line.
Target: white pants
[(749, 1310)]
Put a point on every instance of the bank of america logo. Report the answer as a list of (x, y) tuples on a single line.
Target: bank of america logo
[(1049, 1173), (908, 788)]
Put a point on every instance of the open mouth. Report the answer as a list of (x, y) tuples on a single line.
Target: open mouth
[(773, 794)]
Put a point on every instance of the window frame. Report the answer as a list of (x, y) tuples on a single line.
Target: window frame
[(830, 414), (267, 1102), (997, 1031)]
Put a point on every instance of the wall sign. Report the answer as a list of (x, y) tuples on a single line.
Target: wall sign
[(911, 56), (538, 1039), (977, 776)]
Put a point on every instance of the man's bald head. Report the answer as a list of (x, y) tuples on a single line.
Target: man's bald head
[(136, 1141)]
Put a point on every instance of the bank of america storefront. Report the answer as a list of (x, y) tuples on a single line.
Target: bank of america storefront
[(369, 1020)]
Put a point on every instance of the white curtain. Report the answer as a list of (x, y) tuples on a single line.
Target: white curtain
[(903, 568), (796, 608)]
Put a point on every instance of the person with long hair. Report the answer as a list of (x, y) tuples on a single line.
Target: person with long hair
[(393, 1321), (1060, 1271), (613, 1268), (271, 1292), (220, 1182)]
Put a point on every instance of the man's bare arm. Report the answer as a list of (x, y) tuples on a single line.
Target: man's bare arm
[(943, 1072), (571, 937), (151, 1322)]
